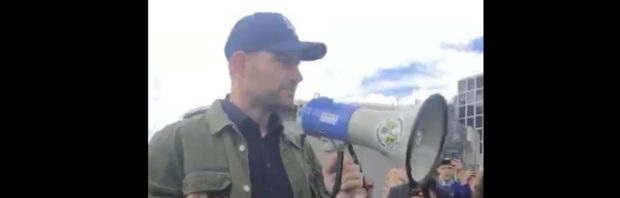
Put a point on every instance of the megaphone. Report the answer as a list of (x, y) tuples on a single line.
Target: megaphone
[(412, 135)]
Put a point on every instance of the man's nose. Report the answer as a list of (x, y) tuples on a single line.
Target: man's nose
[(296, 76)]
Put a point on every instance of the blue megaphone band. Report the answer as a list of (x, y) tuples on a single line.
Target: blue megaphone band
[(322, 117)]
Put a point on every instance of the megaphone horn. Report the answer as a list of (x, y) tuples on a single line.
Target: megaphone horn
[(411, 135)]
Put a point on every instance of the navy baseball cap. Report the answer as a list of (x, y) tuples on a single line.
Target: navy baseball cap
[(271, 32)]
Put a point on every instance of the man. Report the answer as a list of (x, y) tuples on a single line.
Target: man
[(239, 147), (445, 177)]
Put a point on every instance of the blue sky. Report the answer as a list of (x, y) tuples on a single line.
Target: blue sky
[(393, 81), (378, 51)]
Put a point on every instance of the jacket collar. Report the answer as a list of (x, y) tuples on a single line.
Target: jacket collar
[(216, 118)]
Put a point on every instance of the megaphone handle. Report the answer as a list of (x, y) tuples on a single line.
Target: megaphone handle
[(356, 161), (339, 164)]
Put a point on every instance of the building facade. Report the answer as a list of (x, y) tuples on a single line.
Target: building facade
[(470, 106), (453, 145)]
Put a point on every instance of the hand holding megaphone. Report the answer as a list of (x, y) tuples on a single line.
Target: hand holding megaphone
[(351, 182)]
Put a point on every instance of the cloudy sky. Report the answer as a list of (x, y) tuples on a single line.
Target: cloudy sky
[(378, 51)]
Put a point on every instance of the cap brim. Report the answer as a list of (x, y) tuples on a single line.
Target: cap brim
[(309, 51)]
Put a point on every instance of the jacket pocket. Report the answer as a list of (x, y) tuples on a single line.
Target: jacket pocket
[(214, 184)]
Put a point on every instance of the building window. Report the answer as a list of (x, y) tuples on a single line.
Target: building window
[(471, 84), (462, 99), (479, 95), (461, 112), (481, 146), (479, 82), (462, 86), (462, 121), (478, 121), (470, 97), (470, 110), (479, 108), (470, 121)]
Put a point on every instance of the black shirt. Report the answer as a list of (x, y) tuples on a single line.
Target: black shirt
[(267, 173)]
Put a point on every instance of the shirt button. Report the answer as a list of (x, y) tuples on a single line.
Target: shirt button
[(246, 188), (242, 148)]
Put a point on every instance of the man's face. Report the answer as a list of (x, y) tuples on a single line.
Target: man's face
[(446, 171), (272, 78)]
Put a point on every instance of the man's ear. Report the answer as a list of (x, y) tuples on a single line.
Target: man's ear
[(236, 63)]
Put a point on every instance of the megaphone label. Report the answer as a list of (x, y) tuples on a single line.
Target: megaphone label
[(389, 133), (329, 118)]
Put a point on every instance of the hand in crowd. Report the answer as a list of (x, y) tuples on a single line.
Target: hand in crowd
[(474, 180), (458, 165), (464, 176)]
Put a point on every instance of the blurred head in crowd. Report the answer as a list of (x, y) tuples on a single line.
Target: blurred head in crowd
[(397, 186), (434, 190), (445, 169), (394, 177)]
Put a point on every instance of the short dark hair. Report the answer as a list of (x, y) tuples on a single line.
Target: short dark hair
[(442, 162)]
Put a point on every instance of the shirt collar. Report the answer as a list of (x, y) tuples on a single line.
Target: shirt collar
[(446, 183), (240, 119)]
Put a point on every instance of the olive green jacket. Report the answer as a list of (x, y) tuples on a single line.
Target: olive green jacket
[(206, 153)]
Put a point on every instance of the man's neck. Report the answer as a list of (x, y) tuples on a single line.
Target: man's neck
[(258, 114)]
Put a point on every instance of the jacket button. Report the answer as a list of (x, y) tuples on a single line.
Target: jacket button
[(246, 188), (242, 148)]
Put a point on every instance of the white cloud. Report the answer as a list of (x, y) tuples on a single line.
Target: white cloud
[(186, 46)]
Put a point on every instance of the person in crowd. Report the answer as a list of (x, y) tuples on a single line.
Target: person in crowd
[(477, 188), (397, 186), (394, 177), (472, 180), (445, 177)]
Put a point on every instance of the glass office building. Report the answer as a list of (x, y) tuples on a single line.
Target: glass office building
[(470, 105)]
